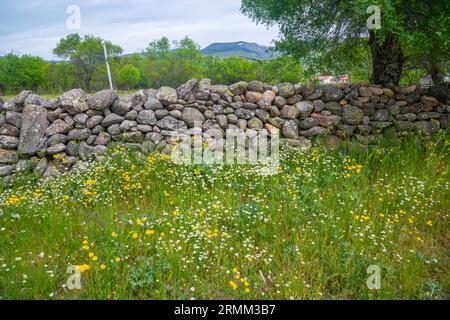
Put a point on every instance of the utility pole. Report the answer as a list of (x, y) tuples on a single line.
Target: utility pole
[(107, 66)]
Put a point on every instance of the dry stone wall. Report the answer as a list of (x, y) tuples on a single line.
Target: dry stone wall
[(49, 136)]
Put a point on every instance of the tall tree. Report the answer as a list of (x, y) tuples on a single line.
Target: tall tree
[(316, 30), (172, 63), (86, 54), (129, 76)]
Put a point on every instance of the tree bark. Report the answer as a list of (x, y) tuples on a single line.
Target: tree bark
[(387, 59), (87, 83)]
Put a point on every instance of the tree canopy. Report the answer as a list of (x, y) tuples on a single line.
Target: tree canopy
[(129, 76), (21, 72), (324, 33), (86, 54)]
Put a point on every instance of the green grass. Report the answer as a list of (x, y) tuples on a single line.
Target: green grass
[(50, 96), (308, 232)]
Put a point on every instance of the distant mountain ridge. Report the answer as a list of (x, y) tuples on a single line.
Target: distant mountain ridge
[(242, 49), (248, 50)]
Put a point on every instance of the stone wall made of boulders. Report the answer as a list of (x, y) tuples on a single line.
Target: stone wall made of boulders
[(48, 136)]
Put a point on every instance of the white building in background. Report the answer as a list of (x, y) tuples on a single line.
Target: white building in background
[(427, 81), (332, 79)]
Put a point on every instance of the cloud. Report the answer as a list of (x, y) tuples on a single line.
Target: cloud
[(35, 26)]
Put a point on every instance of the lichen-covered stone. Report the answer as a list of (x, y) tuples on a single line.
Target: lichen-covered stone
[(32, 132), (74, 101), (352, 115), (102, 100)]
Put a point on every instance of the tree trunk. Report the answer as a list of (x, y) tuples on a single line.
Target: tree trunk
[(87, 83), (387, 59)]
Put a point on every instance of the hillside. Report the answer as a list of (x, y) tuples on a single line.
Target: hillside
[(240, 49)]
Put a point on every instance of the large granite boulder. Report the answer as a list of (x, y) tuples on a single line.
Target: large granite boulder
[(170, 123), (167, 96), (34, 126), (192, 117), (74, 101), (352, 115), (332, 94), (102, 100), (147, 117)]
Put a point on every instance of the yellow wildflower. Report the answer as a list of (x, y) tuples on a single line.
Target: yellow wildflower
[(233, 284), (90, 182), (83, 268)]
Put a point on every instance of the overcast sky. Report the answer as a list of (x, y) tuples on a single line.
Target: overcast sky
[(35, 26)]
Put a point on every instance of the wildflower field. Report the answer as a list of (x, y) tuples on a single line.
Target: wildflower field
[(142, 227)]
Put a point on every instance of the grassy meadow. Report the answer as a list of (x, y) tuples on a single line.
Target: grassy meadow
[(141, 227)]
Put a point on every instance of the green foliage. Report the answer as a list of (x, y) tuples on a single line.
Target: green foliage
[(129, 76), (281, 69), (230, 70), (158, 47), (428, 46), (162, 63), (310, 231), (315, 31), (19, 72), (59, 77), (325, 33), (172, 64), (86, 55), (359, 75), (410, 77)]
